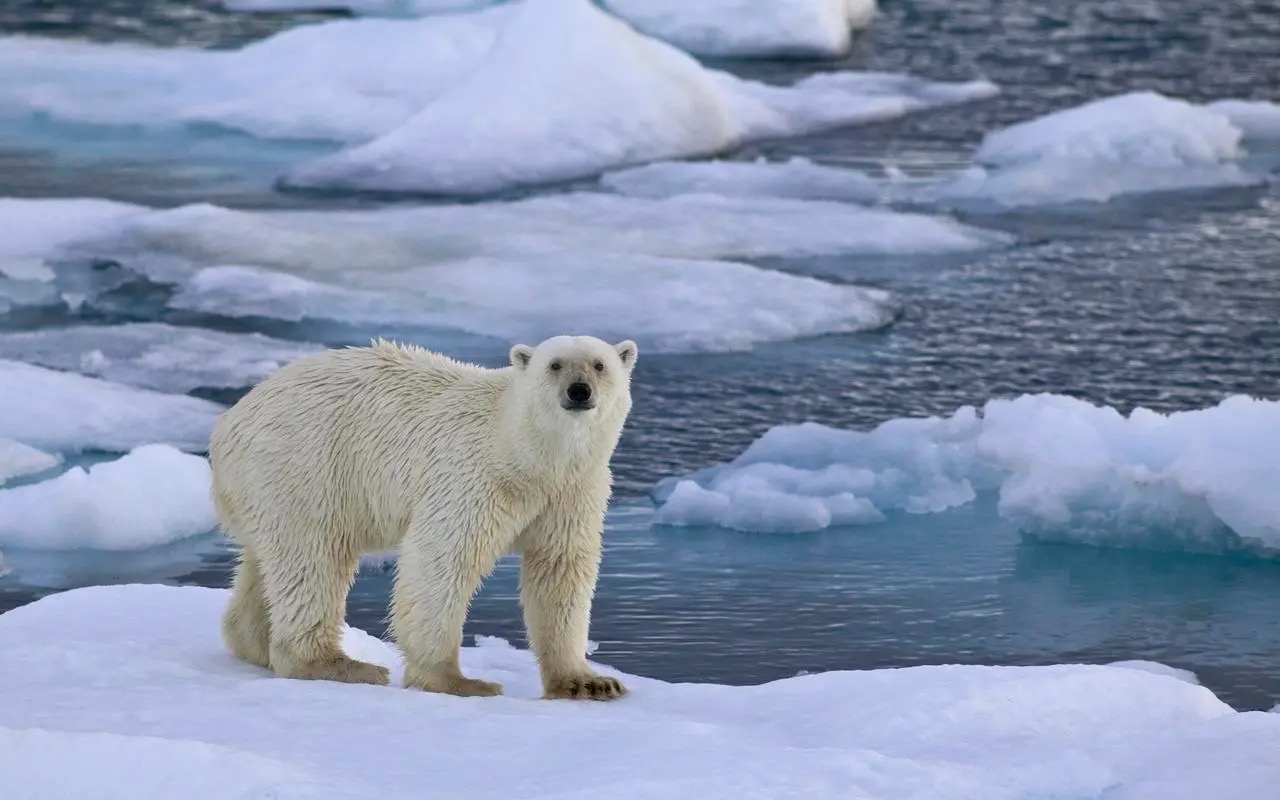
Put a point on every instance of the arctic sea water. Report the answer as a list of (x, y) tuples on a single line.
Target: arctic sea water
[(1168, 301)]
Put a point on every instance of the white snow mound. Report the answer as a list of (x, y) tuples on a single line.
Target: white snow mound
[(529, 113), (105, 672), (152, 496), (1064, 468), (64, 412)]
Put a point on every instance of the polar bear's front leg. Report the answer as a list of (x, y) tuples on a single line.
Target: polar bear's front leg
[(442, 562), (559, 567)]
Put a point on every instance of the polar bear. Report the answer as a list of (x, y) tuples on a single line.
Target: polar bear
[(453, 464)]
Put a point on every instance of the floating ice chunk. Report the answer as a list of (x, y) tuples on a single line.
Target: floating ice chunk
[(1065, 469), (17, 459), (65, 412), (391, 8), (798, 478), (1137, 142), (156, 356), (345, 80), (38, 227), (457, 266), (152, 496), (642, 100), (700, 305), (147, 661), (1122, 145), (742, 28), (734, 28), (326, 244), (1256, 119)]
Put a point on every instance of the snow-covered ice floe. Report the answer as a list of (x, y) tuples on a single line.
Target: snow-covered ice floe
[(150, 497), (127, 691), (154, 355), (64, 412), (18, 459), (601, 263), (467, 103), (750, 28), (730, 28), (1064, 469), (642, 100), (1122, 145)]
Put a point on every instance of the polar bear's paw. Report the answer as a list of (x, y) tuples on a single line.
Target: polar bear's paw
[(585, 687), (342, 669), (457, 685)]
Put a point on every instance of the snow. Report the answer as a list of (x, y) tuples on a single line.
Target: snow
[(17, 460), (152, 496), (642, 100), (107, 682), (726, 28), (750, 28), (1064, 469), (65, 412), (154, 355), (594, 258)]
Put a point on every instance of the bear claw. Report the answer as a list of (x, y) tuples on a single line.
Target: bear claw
[(585, 687)]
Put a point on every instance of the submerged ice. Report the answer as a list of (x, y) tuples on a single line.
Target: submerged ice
[(1064, 469), (137, 675)]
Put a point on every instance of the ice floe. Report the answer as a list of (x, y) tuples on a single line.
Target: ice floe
[(154, 355), (127, 691), (1122, 145), (152, 496), (1064, 469), (65, 412), (592, 256)]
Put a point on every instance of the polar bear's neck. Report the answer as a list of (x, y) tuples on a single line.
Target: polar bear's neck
[(552, 441)]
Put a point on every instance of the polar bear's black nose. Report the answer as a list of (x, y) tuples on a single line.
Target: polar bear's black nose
[(579, 392)]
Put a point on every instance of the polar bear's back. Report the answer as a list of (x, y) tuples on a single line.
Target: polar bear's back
[(350, 435)]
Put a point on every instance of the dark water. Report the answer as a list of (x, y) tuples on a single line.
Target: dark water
[(1167, 301)]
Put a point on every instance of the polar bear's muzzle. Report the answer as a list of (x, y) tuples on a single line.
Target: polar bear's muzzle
[(578, 397)]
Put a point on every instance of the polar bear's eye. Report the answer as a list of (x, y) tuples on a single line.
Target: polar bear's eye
[(599, 366), (555, 366)]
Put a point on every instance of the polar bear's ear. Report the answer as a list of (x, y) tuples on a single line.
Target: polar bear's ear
[(521, 355), (627, 353)]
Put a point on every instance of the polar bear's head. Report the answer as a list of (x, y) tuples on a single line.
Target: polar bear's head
[(577, 377)]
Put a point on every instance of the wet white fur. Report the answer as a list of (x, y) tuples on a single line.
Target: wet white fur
[(396, 447)]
